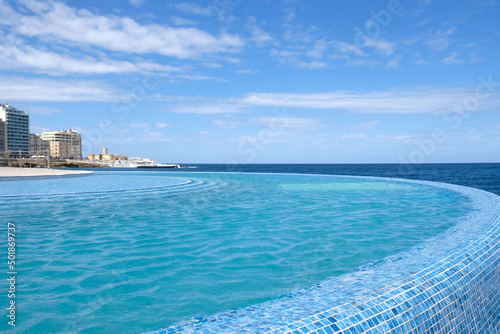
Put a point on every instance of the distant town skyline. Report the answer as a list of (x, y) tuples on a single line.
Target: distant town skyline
[(233, 81)]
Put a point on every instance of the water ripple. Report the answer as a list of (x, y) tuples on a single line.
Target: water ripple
[(132, 258)]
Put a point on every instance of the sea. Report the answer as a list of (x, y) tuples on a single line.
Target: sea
[(485, 176), (88, 258)]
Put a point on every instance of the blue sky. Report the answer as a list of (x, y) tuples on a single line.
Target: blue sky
[(256, 81)]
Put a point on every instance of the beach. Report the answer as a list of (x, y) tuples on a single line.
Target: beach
[(14, 173)]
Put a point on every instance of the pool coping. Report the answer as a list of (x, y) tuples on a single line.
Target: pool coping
[(400, 295)]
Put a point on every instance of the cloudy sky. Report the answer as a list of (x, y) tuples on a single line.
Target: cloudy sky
[(276, 81)]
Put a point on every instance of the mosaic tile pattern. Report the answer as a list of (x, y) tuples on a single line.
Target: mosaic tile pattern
[(448, 284)]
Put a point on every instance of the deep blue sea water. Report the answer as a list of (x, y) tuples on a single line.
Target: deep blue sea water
[(135, 260), (484, 176)]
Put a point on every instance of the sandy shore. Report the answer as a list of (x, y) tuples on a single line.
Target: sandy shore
[(14, 173)]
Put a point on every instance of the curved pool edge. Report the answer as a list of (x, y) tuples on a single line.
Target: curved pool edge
[(449, 283)]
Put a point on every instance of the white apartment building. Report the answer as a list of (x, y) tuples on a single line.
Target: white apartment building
[(65, 144), (38, 146)]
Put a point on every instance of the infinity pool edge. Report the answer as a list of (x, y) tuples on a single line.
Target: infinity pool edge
[(447, 283)]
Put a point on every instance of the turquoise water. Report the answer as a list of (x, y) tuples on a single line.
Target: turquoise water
[(125, 252)]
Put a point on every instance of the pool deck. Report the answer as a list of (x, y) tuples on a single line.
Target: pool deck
[(16, 173)]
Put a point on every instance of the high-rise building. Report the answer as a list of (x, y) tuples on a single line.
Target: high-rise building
[(3, 139), (66, 144), (16, 130), (38, 146)]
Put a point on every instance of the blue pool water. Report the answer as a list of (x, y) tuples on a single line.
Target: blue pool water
[(125, 252)]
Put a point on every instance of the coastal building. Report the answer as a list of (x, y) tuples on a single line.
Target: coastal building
[(16, 130), (38, 146), (141, 160), (64, 144), (106, 156), (3, 139)]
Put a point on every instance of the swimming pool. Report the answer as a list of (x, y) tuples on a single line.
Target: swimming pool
[(165, 247)]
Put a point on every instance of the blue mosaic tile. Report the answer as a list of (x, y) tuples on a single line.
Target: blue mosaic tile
[(448, 284)]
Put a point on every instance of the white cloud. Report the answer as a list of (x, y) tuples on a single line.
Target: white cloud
[(259, 36), (199, 77), (57, 22), (43, 110), (313, 65), (353, 136), (142, 66), (292, 58), (213, 65), (193, 8), (210, 108), (362, 62), (419, 100), (317, 51), (366, 125), (392, 64), (403, 137), (474, 57), (452, 59), (381, 46), (302, 43), (180, 21), (146, 136), (289, 14), (290, 123), (139, 125), (223, 123), (21, 89), (161, 125), (347, 49), (243, 71), (136, 3), (421, 62), (14, 55), (150, 136), (285, 54), (440, 40), (39, 129), (278, 136)]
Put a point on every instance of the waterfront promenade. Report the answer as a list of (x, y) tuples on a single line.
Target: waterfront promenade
[(13, 173)]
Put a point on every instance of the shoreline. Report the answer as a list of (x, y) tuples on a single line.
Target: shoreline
[(18, 173)]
